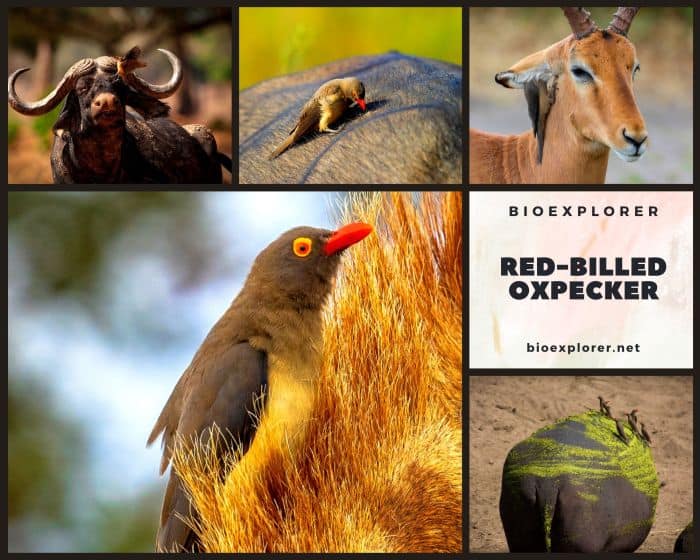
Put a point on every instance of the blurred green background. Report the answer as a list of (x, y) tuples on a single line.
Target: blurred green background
[(276, 41), (109, 296)]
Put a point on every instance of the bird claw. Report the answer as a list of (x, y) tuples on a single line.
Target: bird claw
[(334, 130)]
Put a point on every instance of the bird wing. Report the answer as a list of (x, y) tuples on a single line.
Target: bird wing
[(308, 119), (229, 394)]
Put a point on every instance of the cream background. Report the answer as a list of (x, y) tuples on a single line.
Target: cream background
[(500, 326)]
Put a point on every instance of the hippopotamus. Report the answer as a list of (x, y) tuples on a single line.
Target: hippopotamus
[(684, 542), (578, 486)]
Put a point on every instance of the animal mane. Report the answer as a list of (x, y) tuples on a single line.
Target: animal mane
[(381, 467)]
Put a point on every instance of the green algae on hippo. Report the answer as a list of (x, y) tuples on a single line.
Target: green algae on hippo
[(576, 486)]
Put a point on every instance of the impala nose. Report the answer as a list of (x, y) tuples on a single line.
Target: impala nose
[(637, 141)]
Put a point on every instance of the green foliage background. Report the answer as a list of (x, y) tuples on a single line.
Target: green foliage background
[(276, 41)]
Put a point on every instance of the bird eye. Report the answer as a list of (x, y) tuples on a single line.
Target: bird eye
[(580, 74), (301, 246)]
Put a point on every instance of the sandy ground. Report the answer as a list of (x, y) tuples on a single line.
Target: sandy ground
[(505, 410)]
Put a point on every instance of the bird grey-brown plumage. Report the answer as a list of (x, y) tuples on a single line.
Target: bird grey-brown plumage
[(633, 413), (326, 106), (621, 431), (632, 420), (129, 62), (604, 407), (257, 368)]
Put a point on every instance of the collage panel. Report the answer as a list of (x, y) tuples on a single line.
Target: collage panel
[(287, 319), (119, 95), (598, 101), (361, 95), (581, 463), (581, 279)]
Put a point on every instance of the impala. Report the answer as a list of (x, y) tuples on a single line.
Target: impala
[(581, 104)]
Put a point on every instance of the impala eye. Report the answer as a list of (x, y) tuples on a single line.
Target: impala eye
[(636, 69), (301, 246), (581, 75)]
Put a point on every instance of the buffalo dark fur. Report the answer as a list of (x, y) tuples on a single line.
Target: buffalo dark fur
[(114, 129), (411, 133)]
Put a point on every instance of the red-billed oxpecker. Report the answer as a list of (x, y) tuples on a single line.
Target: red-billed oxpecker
[(254, 376), (326, 106)]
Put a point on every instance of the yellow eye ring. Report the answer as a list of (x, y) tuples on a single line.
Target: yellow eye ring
[(302, 246)]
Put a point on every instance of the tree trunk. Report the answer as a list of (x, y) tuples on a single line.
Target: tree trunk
[(42, 69), (186, 101)]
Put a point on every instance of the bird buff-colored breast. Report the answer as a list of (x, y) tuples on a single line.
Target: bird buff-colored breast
[(332, 108), (291, 391)]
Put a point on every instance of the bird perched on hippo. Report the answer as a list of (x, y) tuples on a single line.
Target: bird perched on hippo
[(579, 485)]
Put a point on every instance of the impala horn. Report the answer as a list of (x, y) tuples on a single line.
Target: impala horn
[(622, 20), (580, 21)]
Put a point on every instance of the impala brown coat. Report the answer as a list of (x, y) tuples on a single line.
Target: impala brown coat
[(583, 107)]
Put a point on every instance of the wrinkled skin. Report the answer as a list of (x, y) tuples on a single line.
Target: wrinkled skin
[(576, 487), (98, 141)]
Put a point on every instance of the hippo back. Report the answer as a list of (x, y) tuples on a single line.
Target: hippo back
[(575, 486), (411, 132)]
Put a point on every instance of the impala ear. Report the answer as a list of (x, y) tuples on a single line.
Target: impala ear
[(534, 75), (532, 67)]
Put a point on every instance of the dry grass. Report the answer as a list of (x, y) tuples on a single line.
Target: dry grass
[(381, 468)]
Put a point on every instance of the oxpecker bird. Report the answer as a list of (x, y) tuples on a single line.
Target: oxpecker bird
[(621, 431), (633, 413), (645, 434), (325, 107), (632, 419), (257, 368), (605, 407), (129, 62)]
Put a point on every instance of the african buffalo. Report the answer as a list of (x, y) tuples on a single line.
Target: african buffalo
[(411, 132), (576, 486), (96, 140)]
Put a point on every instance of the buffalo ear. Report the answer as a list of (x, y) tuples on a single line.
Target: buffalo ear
[(539, 94), (69, 117), (148, 107)]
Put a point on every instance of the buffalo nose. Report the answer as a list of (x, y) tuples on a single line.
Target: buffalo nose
[(105, 101), (636, 139)]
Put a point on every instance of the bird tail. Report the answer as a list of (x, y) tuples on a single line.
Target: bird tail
[(282, 147), (175, 533)]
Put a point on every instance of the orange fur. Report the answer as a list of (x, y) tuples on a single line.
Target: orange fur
[(585, 121), (380, 466)]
